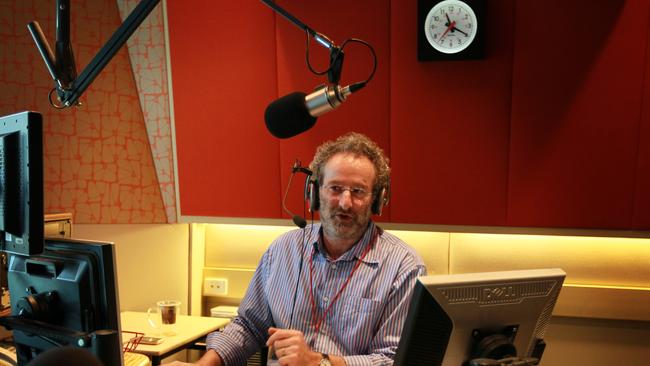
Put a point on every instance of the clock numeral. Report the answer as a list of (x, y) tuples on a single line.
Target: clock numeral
[(436, 18)]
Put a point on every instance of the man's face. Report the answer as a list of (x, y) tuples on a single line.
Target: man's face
[(346, 196)]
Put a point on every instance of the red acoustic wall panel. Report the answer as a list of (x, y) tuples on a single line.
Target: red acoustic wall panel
[(577, 88), (550, 129), (224, 72), (642, 189), (366, 111), (450, 125)]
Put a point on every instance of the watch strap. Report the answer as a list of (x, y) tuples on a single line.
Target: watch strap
[(325, 361)]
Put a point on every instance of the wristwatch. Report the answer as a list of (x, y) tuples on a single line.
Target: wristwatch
[(325, 361)]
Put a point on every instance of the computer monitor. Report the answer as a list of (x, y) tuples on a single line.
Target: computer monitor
[(67, 295), (21, 183), (63, 291), (466, 319)]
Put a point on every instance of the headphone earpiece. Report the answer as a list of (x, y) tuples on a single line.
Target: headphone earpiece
[(382, 199), (311, 194)]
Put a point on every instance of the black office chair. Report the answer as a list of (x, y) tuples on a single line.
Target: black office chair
[(7, 357), (69, 356)]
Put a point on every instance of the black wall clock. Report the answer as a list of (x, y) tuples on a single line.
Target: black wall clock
[(450, 29)]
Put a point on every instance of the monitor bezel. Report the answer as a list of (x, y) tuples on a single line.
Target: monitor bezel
[(22, 233)]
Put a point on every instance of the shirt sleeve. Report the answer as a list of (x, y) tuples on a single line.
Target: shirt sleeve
[(246, 334), (386, 339)]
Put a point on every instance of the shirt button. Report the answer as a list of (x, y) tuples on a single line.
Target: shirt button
[(333, 266), (326, 299)]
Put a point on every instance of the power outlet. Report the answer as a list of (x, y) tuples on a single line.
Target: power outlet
[(215, 287)]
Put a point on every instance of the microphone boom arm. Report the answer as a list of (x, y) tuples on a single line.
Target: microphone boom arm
[(69, 95), (324, 41), (297, 112), (336, 53)]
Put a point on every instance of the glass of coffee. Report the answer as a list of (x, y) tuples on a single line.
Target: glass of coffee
[(163, 317)]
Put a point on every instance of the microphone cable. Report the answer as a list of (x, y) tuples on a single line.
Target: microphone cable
[(336, 58), (305, 234), (300, 265)]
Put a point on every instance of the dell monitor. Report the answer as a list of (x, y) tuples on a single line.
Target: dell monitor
[(21, 183), (479, 318)]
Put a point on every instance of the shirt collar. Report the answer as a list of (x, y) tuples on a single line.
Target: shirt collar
[(369, 237)]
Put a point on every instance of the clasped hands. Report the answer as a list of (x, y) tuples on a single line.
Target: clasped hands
[(291, 349), (289, 346)]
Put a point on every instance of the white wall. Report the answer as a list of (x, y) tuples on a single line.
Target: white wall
[(596, 342), (152, 261)]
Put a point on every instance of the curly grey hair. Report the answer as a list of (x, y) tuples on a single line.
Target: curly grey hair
[(357, 144)]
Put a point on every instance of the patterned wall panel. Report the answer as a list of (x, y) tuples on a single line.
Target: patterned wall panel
[(147, 53), (98, 162)]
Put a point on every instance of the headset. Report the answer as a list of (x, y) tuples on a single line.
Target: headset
[(312, 192)]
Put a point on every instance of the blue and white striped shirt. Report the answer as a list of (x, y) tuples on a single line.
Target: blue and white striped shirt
[(365, 322)]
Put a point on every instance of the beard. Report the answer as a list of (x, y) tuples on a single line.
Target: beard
[(344, 224)]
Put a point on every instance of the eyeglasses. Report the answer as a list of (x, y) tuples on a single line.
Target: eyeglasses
[(336, 190)]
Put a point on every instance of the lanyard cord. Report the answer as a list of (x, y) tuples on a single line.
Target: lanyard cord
[(317, 323)]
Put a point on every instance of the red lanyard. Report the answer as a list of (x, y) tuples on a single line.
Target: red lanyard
[(317, 323)]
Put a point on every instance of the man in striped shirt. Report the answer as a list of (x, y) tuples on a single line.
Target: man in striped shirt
[(334, 293)]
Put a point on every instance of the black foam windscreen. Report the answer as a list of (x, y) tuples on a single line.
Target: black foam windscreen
[(299, 221), (288, 116)]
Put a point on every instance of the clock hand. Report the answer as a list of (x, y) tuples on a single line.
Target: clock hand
[(456, 29), (449, 27), (453, 26)]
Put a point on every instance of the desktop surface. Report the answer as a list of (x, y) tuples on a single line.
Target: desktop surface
[(188, 329)]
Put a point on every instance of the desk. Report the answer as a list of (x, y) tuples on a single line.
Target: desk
[(189, 329)]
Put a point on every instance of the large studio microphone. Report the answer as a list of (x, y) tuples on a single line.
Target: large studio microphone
[(297, 112)]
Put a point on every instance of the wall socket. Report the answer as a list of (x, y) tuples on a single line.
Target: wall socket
[(215, 287)]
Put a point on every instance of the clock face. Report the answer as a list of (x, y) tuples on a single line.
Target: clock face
[(450, 26)]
